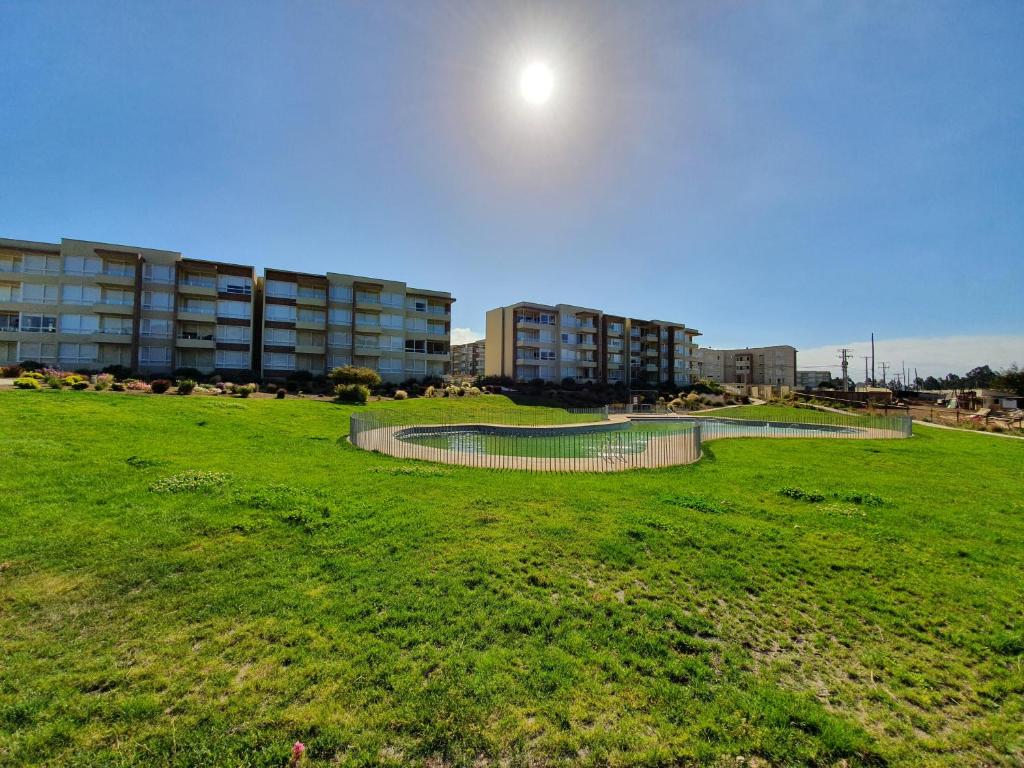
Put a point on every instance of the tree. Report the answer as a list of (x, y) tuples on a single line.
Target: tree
[(980, 377), (350, 374), (1011, 379)]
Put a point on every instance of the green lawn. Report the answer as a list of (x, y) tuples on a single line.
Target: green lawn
[(201, 581)]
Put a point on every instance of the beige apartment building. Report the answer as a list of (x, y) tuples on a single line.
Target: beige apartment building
[(754, 365), (469, 359), (528, 341), (88, 305), (318, 322)]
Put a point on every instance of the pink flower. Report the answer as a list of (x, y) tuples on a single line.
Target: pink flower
[(297, 752)]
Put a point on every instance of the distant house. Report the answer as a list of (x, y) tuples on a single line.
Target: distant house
[(994, 399)]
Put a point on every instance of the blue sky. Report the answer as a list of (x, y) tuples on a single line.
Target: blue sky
[(798, 173)]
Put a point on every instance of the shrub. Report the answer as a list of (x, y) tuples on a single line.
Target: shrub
[(193, 374), (401, 394), (119, 372), (350, 374), (104, 381), (83, 384), (10, 371), (33, 375), (352, 393), (185, 386), (73, 380), (281, 393), (27, 382), (471, 390), (30, 365), (159, 386), (134, 385), (54, 382), (117, 386), (244, 390), (692, 400), (430, 392)]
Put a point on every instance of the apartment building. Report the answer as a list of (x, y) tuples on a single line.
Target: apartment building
[(81, 304), (812, 379), (318, 322), (528, 341), (752, 365), (468, 359)]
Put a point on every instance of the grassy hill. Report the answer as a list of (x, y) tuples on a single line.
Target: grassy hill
[(203, 581)]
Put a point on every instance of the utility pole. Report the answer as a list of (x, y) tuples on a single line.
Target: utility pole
[(885, 379), (872, 358), (844, 357), (866, 383)]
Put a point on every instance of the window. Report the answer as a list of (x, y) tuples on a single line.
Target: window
[(10, 263), (367, 319), (416, 367), (239, 309), (392, 299), (391, 321), (77, 353), (199, 280), (233, 334), (416, 324), (615, 327), (37, 350), (340, 317), (365, 297), (79, 324), (232, 358), (570, 338), (40, 264), (38, 323), (155, 328), (158, 273), (436, 329), (336, 360), (195, 331), (312, 292), (117, 297), (121, 268), (569, 354), (416, 346), (162, 301), (614, 343), (417, 305), (366, 342), (8, 321), (547, 335), (281, 313), (117, 326), (201, 359), (437, 348), (10, 292), (154, 356), (234, 284), (279, 337), (311, 316), (341, 293), (339, 339), (309, 338), (392, 343), (80, 294), (546, 354), (35, 293), (8, 351), (391, 365), (83, 265), (281, 290), (281, 361)]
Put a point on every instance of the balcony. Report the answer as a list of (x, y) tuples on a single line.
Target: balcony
[(115, 307), (194, 285), (309, 349), (111, 336), (195, 341), (311, 298), (116, 276), (311, 325), (197, 314), (367, 298), (650, 337)]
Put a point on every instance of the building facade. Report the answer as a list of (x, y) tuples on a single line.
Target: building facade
[(527, 341), (812, 379), (753, 365), (469, 359), (318, 322), (88, 305)]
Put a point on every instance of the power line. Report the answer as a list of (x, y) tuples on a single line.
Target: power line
[(844, 357)]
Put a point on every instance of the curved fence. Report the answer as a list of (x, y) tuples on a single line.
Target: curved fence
[(590, 439), (552, 440)]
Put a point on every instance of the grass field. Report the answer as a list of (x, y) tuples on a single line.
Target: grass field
[(203, 581)]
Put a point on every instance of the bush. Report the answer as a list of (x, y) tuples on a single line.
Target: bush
[(281, 393), (54, 382), (103, 381), (134, 385), (83, 384), (244, 390), (30, 365), (159, 386), (401, 394), (10, 371), (430, 391), (33, 375), (117, 386), (352, 393), (73, 378), (187, 373), (350, 374), (27, 382), (185, 386), (119, 372)]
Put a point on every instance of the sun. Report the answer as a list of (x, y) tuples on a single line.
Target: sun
[(536, 83)]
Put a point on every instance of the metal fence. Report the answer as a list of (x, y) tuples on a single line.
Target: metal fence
[(774, 421), (533, 442)]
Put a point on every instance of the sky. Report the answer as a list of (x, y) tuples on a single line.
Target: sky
[(799, 173)]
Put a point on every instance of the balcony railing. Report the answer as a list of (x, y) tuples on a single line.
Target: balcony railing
[(117, 302), (192, 309), (200, 282), (117, 271)]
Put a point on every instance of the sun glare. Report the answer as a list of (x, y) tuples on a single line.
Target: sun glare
[(536, 83)]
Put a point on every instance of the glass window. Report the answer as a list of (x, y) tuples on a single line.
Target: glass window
[(233, 334), (37, 350), (339, 339), (80, 294), (39, 323), (118, 326), (82, 265), (279, 337), (10, 263), (416, 323), (391, 321), (158, 300), (391, 365), (232, 358), (310, 316), (152, 356), (281, 290), (337, 359), (37, 293), (118, 297), (158, 273), (281, 313), (239, 309), (341, 293), (340, 316), (157, 328), (77, 353), (79, 323), (9, 321), (240, 286), (40, 264), (392, 299), (416, 345), (198, 307), (10, 292), (281, 361)]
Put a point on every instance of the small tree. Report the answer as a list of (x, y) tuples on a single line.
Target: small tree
[(352, 393), (350, 374)]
